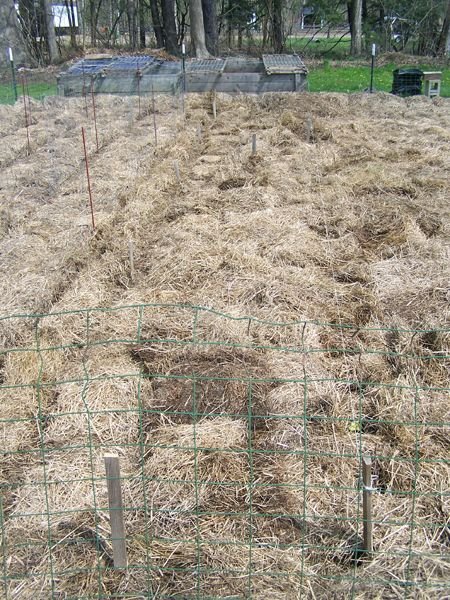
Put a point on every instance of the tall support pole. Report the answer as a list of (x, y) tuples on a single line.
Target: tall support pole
[(94, 114), (13, 74), (372, 67), (155, 129), (183, 63)]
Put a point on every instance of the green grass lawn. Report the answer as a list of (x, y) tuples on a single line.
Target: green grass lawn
[(350, 78), (37, 90)]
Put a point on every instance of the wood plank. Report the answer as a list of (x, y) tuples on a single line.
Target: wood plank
[(112, 468)]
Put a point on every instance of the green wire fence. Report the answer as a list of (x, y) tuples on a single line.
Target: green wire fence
[(233, 449)]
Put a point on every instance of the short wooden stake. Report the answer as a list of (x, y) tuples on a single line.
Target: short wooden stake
[(131, 255), (214, 107), (367, 504), (177, 170), (199, 133), (254, 143), (309, 128), (112, 468)]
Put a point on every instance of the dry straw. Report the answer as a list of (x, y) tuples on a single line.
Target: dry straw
[(239, 439)]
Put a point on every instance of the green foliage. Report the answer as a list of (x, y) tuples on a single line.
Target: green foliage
[(331, 48)]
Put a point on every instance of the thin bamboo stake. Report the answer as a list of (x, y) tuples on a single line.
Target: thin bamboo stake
[(309, 128), (367, 504), (112, 468), (26, 115), (214, 107), (131, 256), (177, 170)]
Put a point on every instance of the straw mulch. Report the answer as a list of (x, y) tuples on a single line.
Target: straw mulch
[(239, 440)]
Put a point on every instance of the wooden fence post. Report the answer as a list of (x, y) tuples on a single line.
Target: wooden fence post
[(112, 468), (367, 504)]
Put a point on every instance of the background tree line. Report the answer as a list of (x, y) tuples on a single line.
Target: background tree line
[(211, 26)]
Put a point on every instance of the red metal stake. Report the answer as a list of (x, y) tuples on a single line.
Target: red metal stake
[(88, 178), (95, 115), (26, 116), (29, 100), (84, 90)]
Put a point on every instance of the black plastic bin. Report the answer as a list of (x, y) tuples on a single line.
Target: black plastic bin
[(407, 82)]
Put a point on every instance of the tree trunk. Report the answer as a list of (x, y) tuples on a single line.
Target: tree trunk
[(210, 23), (198, 29), (132, 23), (50, 34), (444, 40), (156, 20), (72, 27), (355, 23), (230, 23), (169, 25), (10, 34), (93, 20), (277, 27), (141, 24)]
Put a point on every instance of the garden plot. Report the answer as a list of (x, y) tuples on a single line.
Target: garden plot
[(239, 439)]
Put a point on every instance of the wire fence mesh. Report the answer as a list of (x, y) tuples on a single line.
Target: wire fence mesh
[(37, 84), (240, 444)]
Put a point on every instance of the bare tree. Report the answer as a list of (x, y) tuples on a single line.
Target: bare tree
[(355, 22), (10, 35), (444, 39), (198, 29), (156, 20), (132, 23), (277, 26), (169, 25), (210, 23), (50, 34)]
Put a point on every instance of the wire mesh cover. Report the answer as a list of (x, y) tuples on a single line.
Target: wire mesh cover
[(129, 63), (283, 63), (215, 65), (120, 63), (88, 66)]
